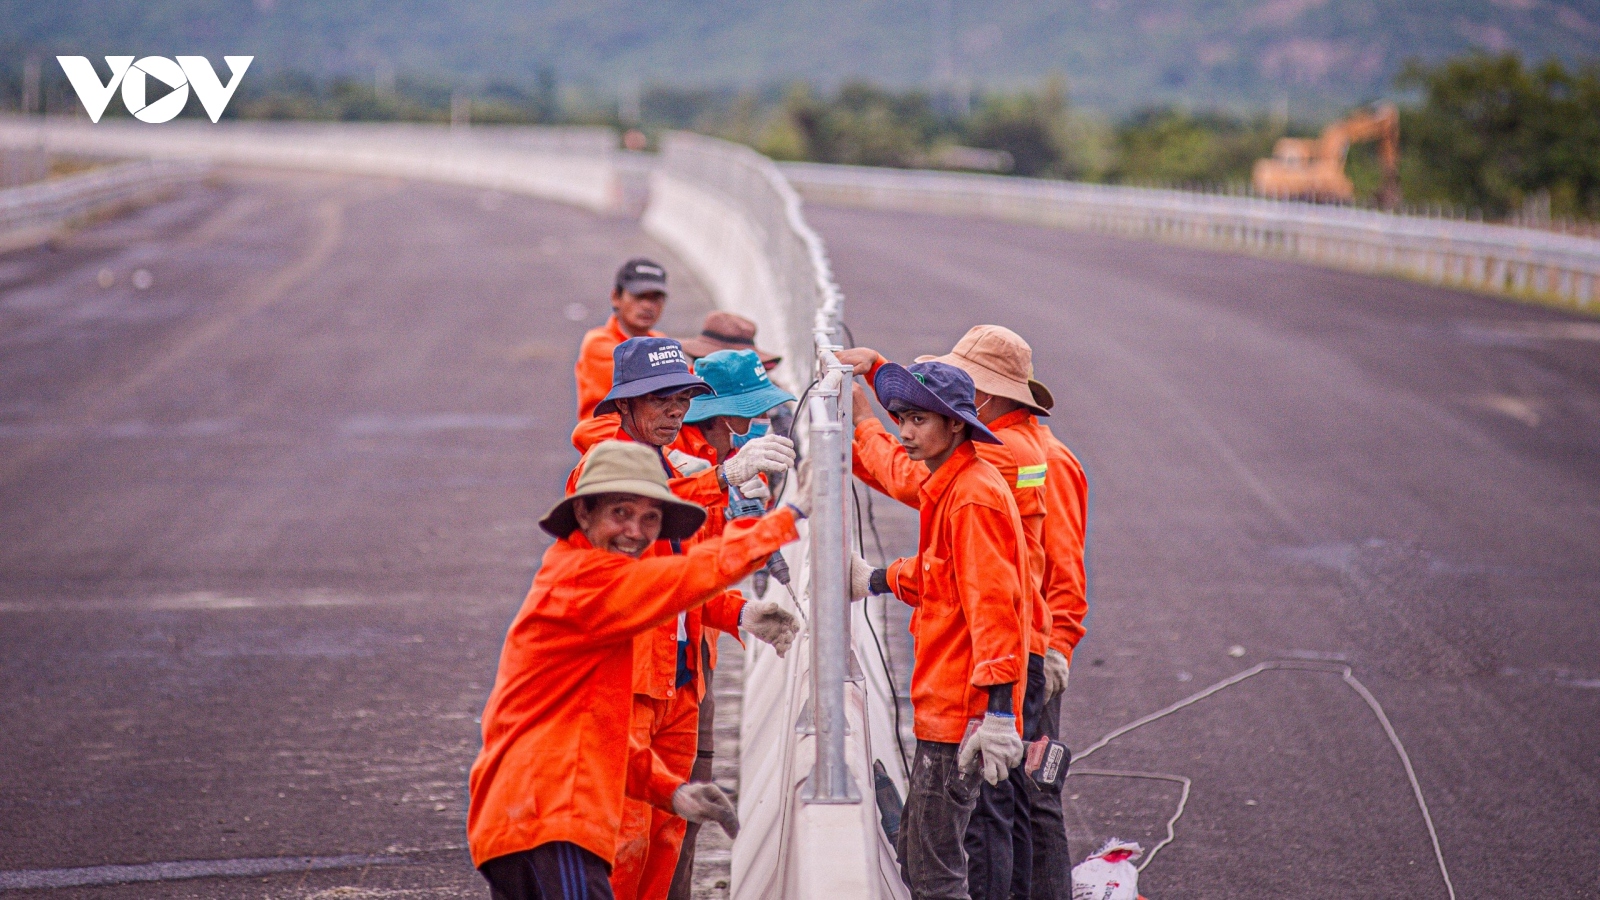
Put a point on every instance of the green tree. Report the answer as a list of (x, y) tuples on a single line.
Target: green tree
[(1492, 133)]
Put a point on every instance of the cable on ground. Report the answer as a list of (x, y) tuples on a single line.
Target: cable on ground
[(1344, 672)]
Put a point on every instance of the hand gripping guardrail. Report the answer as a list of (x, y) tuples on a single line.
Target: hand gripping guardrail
[(33, 212), (810, 821), (1497, 258)]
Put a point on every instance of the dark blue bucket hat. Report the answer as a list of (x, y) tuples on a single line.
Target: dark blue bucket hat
[(649, 365), (741, 384), (932, 386)]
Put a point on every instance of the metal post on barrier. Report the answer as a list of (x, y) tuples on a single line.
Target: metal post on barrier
[(830, 780)]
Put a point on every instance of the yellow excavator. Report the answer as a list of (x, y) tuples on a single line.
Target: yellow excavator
[(1313, 168)]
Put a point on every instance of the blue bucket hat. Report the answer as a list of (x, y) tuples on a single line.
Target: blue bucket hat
[(933, 386), (648, 365), (741, 384)]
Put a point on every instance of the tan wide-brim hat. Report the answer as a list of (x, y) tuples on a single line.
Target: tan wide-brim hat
[(1000, 363), (624, 467), (727, 331)]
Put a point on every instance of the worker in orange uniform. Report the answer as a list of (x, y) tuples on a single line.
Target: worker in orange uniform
[(547, 789), (651, 392), (637, 298), (998, 840), (968, 585), (714, 429)]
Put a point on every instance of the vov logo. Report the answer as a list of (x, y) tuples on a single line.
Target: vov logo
[(133, 77)]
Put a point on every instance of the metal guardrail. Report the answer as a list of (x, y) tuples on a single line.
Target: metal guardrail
[(36, 209), (1498, 258), (567, 164)]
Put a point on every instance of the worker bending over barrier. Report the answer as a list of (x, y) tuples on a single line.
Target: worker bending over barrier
[(651, 392), (547, 790), (968, 585)]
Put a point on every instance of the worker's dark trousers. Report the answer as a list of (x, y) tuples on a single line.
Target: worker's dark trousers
[(683, 875), (1049, 877), (555, 871), (999, 838), (932, 860)]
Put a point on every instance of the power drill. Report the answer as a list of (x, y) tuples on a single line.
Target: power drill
[(742, 507)]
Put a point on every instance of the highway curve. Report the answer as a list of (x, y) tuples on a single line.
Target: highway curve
[(1305, 464), (266, 520)]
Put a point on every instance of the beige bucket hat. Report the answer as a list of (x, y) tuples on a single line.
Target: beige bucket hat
[(1000, 363), (624, 467)]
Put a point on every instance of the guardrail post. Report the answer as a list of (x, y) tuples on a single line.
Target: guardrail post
[(830, 780)]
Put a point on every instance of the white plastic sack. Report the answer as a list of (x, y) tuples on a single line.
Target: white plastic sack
[(1109, 874)]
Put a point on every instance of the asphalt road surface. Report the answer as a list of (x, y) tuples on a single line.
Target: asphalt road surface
[(1302, 464), (266, 519)]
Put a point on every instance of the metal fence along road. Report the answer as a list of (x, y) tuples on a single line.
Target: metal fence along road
[(570, 165), (32, 213), (1497, 258)]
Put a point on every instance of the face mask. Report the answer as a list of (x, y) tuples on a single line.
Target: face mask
[(758, 427)]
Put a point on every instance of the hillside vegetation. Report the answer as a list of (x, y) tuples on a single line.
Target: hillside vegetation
[(1316, 56)]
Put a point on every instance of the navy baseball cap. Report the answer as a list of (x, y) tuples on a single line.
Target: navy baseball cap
[(641, 276), (932, 386), (649, 365)]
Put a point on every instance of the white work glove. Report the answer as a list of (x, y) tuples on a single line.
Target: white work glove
[(998, 745), (768, 454), (1056, 670), (754, 489), (685, 464), (860, 577), (703, 802), (800, 497), (770, 623)]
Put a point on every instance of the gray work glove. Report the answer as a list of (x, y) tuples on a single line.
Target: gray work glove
[(768, 454), (685, 464), (995, 745), (1056, 670), (770, 623), (702, 802), (754, 489), (860, 577)]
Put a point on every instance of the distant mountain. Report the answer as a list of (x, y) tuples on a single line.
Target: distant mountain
[(1117, 54)]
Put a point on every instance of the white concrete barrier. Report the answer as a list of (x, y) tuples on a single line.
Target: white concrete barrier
[(570, 165), (728, 213), (1496, 258)]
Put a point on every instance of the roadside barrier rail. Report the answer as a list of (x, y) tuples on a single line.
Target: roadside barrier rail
[(33, 212), (815, 722), (566, 164), (1496, 258)]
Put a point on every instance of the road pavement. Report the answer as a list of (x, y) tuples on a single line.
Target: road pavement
[(1300, 463), (266, 519)]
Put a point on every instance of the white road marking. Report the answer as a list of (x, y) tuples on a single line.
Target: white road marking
[(32, 879)]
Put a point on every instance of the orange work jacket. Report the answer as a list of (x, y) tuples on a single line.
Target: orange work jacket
[(555, 756), (656, 652), (1066, 586), (882, 464), (593, 371), (966, 587)]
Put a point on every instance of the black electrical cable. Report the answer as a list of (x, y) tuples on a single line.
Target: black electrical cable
[(894, 692)]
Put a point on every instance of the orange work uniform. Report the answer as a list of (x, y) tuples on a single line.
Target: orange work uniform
[(1020, 458), (1066, 586), (664, 724), (593, 370), (966, 585), (555, 759)]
